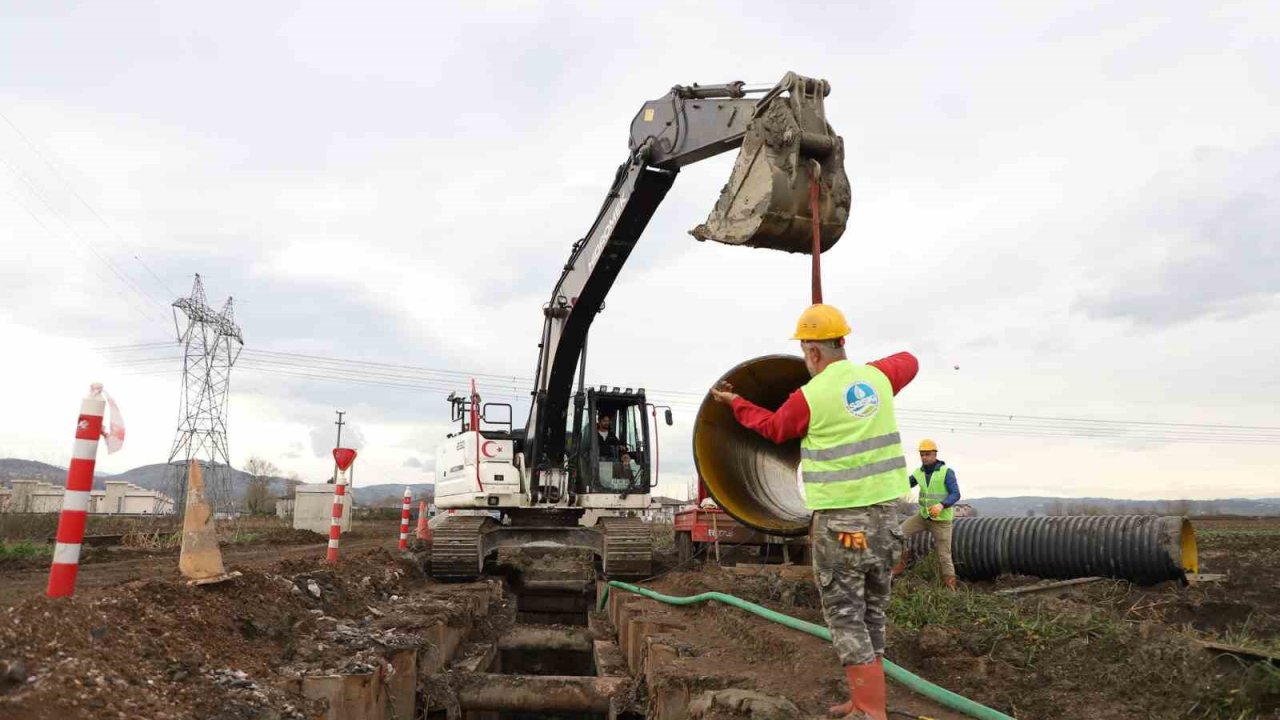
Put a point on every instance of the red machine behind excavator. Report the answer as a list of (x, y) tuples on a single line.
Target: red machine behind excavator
[(707, 531)]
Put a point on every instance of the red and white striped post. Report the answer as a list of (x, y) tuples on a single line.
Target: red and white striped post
[(404, 520), (344, 457), (75, 500)]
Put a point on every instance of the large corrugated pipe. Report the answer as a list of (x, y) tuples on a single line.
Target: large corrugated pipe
[(751, 478), (1145, 549)]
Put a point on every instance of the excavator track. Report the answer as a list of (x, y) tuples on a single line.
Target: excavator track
[(628, 548), (456, 547)]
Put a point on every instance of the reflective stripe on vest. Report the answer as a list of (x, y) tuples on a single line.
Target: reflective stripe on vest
[(929, 494), (851, 455)]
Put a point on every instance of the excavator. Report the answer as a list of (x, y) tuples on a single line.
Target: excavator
[(500, 486)]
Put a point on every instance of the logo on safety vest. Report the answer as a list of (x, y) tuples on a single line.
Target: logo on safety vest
[(861, 400)]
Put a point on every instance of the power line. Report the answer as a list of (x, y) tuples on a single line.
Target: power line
[(115, 270), (999, 416), (93, 267), (378, 374), (85, 203), (139, 346)]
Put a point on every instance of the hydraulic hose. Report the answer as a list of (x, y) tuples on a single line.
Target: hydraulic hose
[(914, 682)]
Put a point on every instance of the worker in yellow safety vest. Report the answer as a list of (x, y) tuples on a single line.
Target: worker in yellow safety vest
[(939, 492), (853, 472)]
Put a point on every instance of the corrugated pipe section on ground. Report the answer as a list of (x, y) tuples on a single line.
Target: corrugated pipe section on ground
[(899, 674), (1145, 549)]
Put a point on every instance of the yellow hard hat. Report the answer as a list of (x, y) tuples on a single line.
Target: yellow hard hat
[(821, 322), (928, 445)]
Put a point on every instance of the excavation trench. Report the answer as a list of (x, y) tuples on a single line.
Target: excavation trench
[(542, 660)]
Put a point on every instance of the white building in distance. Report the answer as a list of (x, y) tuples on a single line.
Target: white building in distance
[(119, 498)]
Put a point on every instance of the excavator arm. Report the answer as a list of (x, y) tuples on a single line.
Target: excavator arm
[(785, 142)]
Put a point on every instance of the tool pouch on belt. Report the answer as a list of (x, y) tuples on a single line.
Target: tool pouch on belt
[(870, 532)]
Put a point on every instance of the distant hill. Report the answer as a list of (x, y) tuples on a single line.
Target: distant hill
[(1037, 505), (17, 469), (391, 495), (156, 477), (151, 477)]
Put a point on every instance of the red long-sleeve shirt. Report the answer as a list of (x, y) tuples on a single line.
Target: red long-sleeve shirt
[(792, 419)]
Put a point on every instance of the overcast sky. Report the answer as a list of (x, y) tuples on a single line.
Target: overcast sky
[(1077, 204)]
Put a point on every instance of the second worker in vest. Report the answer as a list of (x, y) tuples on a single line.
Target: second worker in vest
[(939, 492), (853, 472)]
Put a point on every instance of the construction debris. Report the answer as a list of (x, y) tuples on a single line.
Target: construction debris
[(1038, 587)]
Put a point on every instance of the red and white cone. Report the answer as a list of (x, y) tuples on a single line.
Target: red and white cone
[(424, 530), (404, 520), (75, 500)]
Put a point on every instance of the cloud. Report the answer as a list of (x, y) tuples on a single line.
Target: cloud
[(324, 436), (294, 452), (999, 222), (425, 464), (1213, 247)]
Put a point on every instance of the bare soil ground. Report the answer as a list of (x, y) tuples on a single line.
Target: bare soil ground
[(158, 648), (1107, 649), (105, 567), (137, 642), (764, 656)]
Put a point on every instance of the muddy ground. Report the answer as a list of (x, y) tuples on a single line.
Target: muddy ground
[(1107, 649), (106, 567), (136, 642), (158, 648), (747, 651)]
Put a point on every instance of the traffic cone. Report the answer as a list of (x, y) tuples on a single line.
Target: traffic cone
[(201, 560), (424, 530), (404, 520)]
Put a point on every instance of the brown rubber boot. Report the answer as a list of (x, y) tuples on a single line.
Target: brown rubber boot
[(901, 567), (951, 582)]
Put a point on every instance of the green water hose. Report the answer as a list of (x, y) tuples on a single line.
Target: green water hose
[(914, 682)]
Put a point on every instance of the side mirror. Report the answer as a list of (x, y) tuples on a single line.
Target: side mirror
[(668, 415)]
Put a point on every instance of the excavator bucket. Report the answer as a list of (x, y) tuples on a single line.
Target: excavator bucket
[(766, 203)]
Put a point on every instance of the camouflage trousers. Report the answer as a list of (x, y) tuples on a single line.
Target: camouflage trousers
[(854, 582)]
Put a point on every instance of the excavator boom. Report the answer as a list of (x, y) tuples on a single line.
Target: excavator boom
[(785, 141)]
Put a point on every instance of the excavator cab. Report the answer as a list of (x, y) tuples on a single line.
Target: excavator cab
[(612, 442)]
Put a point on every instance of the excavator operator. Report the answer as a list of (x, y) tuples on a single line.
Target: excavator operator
[(853, 472), (611, 448)]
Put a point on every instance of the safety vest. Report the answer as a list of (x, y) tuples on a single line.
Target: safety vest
[(851, 456), (933, 490)]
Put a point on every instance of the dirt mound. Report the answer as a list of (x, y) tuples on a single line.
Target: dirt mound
[(163, 649), (794, 594), (291, 536)]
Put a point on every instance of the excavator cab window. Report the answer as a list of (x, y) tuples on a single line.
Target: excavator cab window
[(616, 431)]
